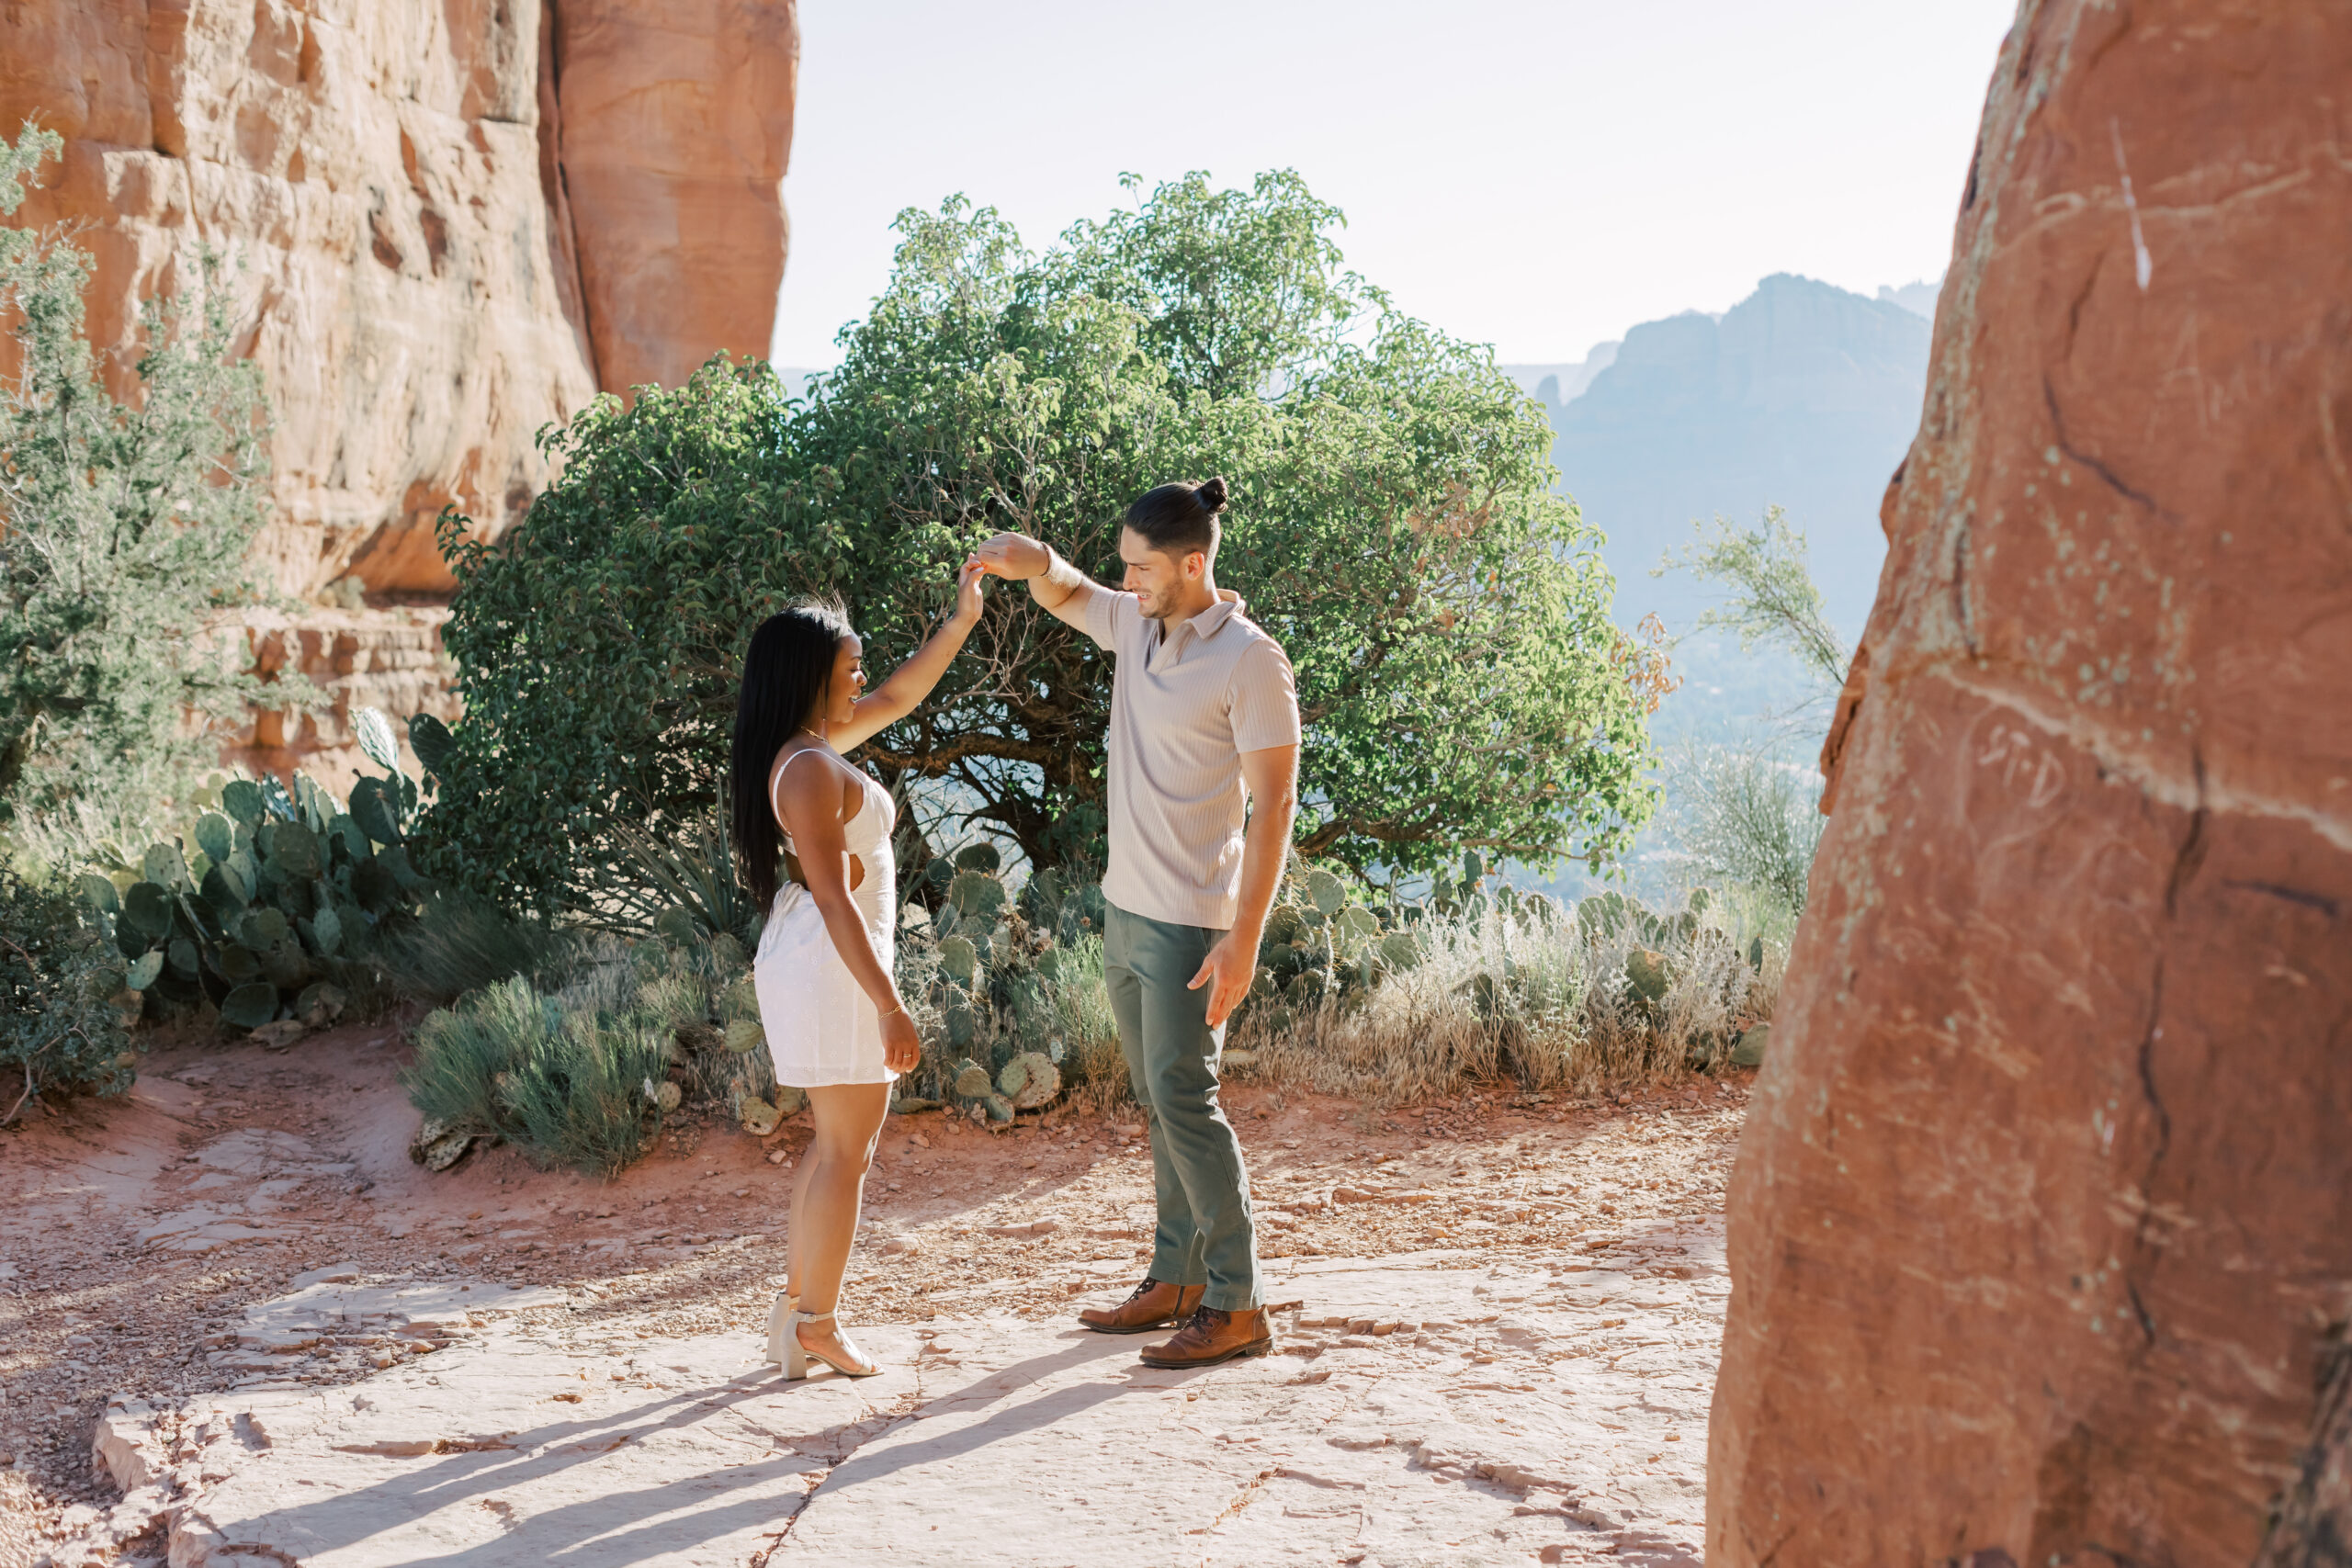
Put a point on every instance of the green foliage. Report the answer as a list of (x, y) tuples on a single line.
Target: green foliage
[(273, 916), (1394, 527), (581, 1067), (1773, 596), (1742, 817), (124, 528), (458, 943), (574, 1088), (62, 1009)]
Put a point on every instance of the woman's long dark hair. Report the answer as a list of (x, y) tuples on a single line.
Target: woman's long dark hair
[(787, 670)]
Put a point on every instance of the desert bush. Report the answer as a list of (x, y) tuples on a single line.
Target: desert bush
[(124, 528), (1745, 817), (580, 1062), (1411, 1002), (62, 1007), (457, 943), (1393, 525)]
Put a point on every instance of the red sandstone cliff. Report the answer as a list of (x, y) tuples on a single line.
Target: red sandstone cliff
[(2042, 1229), (457, 220)]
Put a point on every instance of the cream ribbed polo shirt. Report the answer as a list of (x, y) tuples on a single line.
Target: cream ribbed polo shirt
[(1182, 711)]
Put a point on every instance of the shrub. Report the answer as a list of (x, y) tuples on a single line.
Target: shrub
[(581, 1068), (62, 1023), (1505, 986), (1742, 817), (124, 529), (458, 943), (1394, 526)]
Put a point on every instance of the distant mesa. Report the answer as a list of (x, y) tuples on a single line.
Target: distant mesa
[(1919, 298), (1803, 394)]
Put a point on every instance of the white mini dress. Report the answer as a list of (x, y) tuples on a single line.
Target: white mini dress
[(821, 1026)]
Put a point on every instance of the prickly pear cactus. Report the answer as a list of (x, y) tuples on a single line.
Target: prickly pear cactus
[(745, 1037), (1646, 974), (976, 896), (972, 1079), (756, 1116), (1327, 892), (1030, 1080), (666, 1096), (279, 896), (958, 958)]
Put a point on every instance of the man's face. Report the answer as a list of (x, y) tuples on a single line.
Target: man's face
[(1157, 579)]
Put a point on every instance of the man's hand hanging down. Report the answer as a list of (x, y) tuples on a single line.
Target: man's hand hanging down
[(1227, 971), (1272, 775)]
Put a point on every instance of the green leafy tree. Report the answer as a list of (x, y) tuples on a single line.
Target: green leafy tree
[(1393, 525), (124, 529), (1774, 598)]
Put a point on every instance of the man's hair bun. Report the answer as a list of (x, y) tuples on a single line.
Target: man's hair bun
[(1211, 495)]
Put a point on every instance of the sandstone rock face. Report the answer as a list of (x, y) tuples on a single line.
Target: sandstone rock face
[(2039, 1229), (389, 657), (453, 223), (676, 120), (374, 170)]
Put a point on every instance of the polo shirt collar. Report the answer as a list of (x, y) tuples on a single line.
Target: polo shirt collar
[(1203, 626), (1211, 621)]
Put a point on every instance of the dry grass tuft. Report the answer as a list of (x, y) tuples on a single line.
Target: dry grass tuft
[(1546, 1002)]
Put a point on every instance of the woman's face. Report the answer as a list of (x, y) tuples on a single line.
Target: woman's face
[(848, 683)]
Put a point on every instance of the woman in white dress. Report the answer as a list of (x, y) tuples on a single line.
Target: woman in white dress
[(814, 834)]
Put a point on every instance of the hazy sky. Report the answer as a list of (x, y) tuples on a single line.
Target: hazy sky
[(1539, 177)]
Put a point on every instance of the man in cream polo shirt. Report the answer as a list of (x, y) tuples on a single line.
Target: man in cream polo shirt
[(1204, 723)]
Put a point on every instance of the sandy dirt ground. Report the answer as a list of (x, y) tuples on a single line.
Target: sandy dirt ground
[(153, 1251)]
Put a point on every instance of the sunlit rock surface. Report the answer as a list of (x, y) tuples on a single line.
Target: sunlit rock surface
[(2039, 1226)]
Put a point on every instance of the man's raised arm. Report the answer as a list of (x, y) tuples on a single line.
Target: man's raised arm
[(1058, 587)]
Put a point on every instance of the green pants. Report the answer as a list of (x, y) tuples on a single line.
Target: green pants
[(1205, 1234)]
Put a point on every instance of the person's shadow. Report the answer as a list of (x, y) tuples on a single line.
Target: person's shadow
[(595, 1524)]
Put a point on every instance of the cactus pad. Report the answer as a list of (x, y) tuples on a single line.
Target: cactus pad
[(1327, 892), (976, 894), (1646, 974), (960, 958), (745, 1037)]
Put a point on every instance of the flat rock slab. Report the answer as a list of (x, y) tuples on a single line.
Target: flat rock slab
[(1418, 1411)]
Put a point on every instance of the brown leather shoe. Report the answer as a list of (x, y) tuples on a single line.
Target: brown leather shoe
[(1210, 1336), (1155, 1304)]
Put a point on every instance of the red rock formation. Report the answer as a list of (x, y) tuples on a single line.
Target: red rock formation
[(414, 190), (2042, 1230), (676, 121)]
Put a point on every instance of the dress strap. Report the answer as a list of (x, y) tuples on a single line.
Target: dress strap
[(778, 779)]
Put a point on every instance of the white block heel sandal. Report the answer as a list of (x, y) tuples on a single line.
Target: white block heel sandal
[(795, 1354), (779, 1315)]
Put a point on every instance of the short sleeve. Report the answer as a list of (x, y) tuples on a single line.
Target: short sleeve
[(1110, 616), (1265, 699)]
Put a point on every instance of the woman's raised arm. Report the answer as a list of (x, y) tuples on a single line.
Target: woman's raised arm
[(912, 681)]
